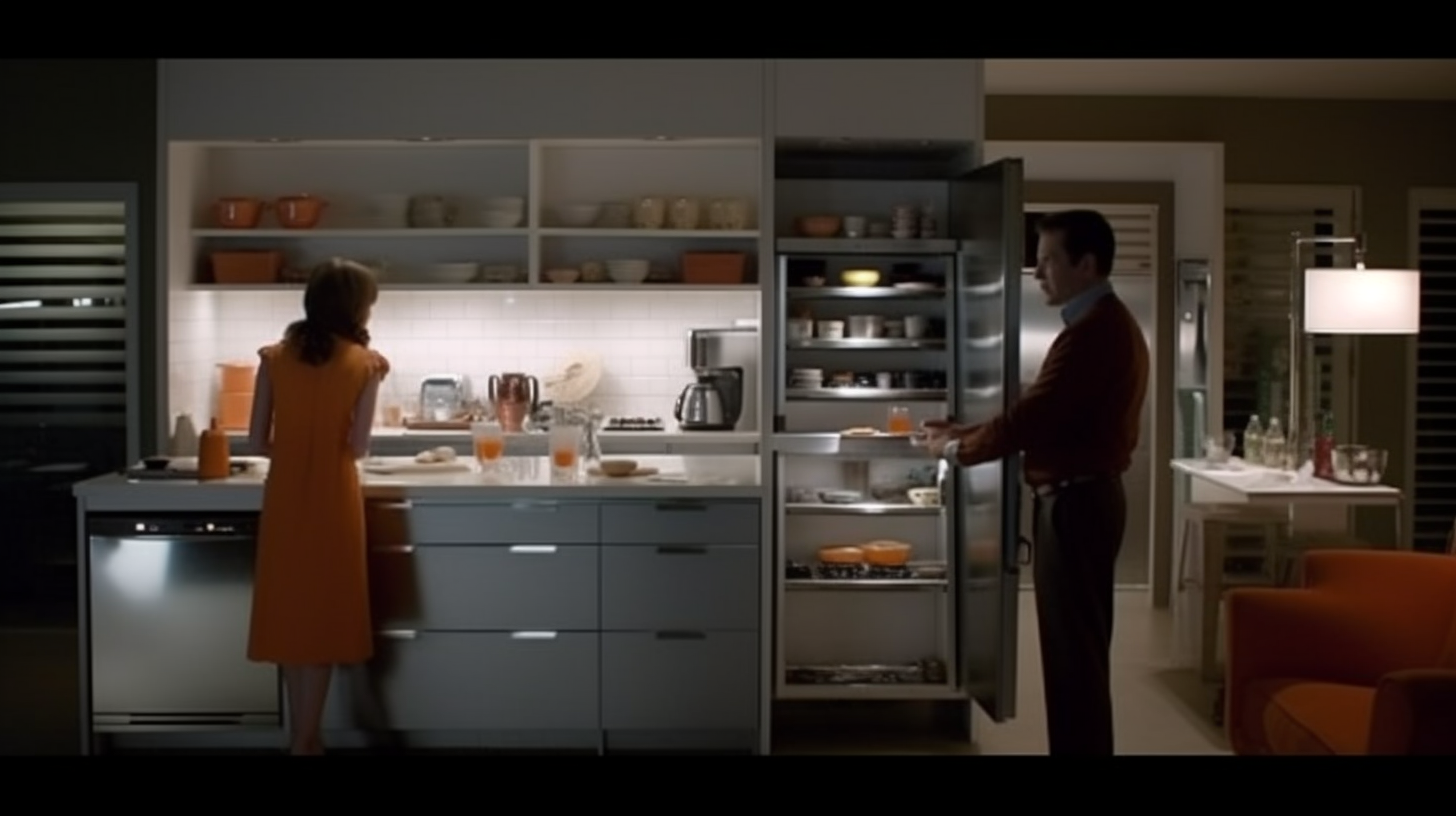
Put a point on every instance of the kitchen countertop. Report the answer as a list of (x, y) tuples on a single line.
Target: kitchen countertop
[(1256, 483), (712, 477), (672, 434)]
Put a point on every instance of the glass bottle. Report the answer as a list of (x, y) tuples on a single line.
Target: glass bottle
[(1254, 441), (1273, 455)]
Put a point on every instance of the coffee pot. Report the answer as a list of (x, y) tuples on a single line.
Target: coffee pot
[(513, 397)]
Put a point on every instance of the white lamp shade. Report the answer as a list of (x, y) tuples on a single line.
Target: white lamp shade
[(1362, 301)]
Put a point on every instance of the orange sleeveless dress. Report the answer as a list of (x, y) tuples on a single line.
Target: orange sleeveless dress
[(310, 588)]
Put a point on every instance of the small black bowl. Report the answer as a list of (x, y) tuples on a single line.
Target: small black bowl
[(156, 462)]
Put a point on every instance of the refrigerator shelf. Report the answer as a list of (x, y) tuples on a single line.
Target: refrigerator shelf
[(887, 691), (867, 246), (877, 343), (863, 509), (849, 393), (880, 584), (863, 293)]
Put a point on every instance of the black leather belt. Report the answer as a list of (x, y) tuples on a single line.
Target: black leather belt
[(1053, 488)]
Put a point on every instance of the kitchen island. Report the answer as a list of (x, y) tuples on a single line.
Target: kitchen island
[(525, 612)]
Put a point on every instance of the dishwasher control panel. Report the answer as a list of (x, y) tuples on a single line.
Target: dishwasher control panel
[(174, 525)]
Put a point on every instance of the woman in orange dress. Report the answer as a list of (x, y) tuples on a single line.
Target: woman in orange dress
[(312, 413)]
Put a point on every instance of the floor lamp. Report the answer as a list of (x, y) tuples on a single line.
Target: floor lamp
[(1343, 301)]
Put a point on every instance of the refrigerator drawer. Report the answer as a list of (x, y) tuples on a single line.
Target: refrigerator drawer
[(680, 587), (680, 680), (437, 681), (681, 522), (525, 522), (525, 586)]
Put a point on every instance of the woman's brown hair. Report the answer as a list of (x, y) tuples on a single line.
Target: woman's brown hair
[(336, 304)]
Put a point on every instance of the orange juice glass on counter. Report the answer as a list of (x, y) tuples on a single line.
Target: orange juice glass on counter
[(565, 442), (899, 422), (490, 443)]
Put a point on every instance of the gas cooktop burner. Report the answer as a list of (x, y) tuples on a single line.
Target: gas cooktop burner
[(633, 424)]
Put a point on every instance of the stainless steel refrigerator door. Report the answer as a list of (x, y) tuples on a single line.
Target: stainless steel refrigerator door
[(1040, 325), (987, 204)]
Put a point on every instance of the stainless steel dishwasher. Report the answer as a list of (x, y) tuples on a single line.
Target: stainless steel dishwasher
[(170, 599)]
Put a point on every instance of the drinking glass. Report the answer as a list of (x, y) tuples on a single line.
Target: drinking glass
[(490, 444), (565, 442), (900, 422), (1217, 450)]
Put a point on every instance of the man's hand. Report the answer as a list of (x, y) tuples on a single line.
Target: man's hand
[(935, 444), (378, 364), (938, 433)]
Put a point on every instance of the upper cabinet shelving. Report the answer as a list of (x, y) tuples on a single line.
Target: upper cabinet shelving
[(466, 214)]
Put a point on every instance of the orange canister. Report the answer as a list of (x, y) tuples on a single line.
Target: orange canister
[(214, 460)]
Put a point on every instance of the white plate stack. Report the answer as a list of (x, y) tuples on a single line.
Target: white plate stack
[(806, 378), (905, 222), (628, 271)]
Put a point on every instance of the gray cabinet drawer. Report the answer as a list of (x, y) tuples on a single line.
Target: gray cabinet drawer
[(437, 681), (682, 681), (525, 522), (680, 587), (522, 586), (680, 522)]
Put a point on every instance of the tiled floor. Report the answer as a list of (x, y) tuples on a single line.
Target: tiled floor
[(1158, 710)]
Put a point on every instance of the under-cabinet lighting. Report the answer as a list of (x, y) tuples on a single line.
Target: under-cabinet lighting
[(426, 139), (21, 304)]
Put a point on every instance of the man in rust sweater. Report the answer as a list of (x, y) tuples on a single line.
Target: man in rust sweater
[(1076, 427)]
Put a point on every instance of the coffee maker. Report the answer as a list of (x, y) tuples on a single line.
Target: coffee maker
[(713, 403), (724, 396)]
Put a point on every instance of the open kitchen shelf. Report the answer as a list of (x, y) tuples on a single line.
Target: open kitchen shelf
[(367, 186)]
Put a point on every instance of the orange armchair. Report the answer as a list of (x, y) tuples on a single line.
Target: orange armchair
[(1360, 660)]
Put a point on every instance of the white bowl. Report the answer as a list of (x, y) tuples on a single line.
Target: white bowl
[(563, 275), (510, 205), (501, 219), (578, 215), (627, 274)]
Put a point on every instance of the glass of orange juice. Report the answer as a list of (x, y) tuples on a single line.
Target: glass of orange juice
[(490, 443), (565, 446), (899, 421)]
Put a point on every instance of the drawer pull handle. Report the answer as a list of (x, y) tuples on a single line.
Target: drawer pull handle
[(533, 636), (681, 635), (400, 549), (399, 634), (682, 550), (534, 506), (533, 549), (683, 506)]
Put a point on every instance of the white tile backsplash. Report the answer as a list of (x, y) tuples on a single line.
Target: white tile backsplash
[(640, 336)]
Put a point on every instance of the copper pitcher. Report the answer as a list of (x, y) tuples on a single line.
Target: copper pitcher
[(514, 397)]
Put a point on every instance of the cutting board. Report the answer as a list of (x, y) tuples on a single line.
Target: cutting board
[(417, 468), (636, 474)]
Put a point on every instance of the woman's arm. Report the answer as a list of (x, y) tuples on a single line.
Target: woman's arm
[(260, 429), (363, 424)]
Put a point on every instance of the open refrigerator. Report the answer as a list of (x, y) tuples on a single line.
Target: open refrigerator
[(896, 575)]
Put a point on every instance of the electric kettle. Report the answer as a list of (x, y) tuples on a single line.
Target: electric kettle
[(700, 406)]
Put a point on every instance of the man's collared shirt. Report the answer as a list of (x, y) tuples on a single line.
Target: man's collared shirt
[(1078, 306)]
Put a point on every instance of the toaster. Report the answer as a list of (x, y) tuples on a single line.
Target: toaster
[(443, 397)]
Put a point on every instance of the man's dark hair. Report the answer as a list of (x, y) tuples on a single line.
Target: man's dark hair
[(1083, 232)]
